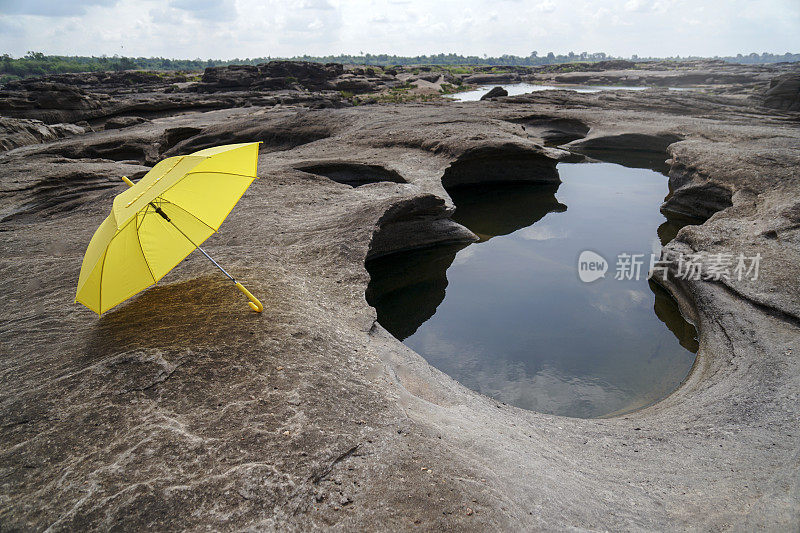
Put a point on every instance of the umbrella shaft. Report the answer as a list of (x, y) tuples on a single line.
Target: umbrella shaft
[(165, 217), (216, 264)]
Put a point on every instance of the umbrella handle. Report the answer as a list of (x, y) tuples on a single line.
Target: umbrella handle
[(128, 182), (254, 303)]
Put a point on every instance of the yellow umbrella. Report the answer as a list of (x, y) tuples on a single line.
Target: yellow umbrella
[(161, 219)]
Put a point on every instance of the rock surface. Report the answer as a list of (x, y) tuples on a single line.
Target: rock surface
[(486, 79), (494, 93), (96, 97), (180, 409), (117, 123), (715, 74), (19, 132), (272, 75), (784, 93)]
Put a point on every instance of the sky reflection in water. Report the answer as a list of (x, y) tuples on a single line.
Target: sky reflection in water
[(508, 316)]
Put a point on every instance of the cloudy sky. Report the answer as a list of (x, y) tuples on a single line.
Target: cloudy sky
[(249, 28)]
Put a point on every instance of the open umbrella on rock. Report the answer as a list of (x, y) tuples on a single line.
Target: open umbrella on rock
[(163, 218)]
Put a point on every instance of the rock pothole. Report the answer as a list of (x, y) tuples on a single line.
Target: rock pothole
[(510, 319), (553, 130), (282, 135), (691, 200), (635, 150), (415, 223), (697, 201), (501, 163), (113, 149), (352, 174)]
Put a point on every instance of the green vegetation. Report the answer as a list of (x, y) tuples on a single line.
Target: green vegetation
[(401, 94), (448, 88), (405, 97), (534, 59), (38, 64), (458, 70)]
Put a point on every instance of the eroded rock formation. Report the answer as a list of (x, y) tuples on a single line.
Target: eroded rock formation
[(180, 409), (494, 93)]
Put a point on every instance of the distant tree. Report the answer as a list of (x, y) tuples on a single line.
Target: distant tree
[(125, 63), (38, 64)]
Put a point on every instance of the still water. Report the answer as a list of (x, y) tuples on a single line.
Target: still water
[(523, 88), (509, 317)]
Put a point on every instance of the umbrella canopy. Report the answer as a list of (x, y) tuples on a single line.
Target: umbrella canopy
[(161, 219)]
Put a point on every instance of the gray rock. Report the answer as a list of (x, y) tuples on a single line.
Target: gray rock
[(355, 85), (494, 93), (233, 76), (270, 76), (784, 93), (20, 132), (117, 123), (486, 79), (181, 409)]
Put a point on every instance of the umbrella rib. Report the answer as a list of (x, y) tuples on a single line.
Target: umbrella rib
[(139, 224), (219, 172), (100, 285), (226, 215), (141, 248), (187, 212), (203, 251), (150, 186), (102, 269), (160, 198)]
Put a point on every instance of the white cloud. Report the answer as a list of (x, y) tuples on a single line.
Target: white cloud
[(542, 233), (637, 5), (208, 10), (49, 8), (252, 28), (546, 7), (317, 4)]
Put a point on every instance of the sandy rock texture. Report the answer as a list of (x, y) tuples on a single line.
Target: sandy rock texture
[(181, 409), (19, 132)]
